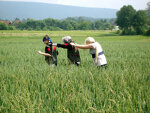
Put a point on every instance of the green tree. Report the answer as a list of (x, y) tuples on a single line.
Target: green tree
[(74, 25), (107, 26), (148, 15), (93, 26), (31, 24), (98, 24), (52, 22), (71, 23), (65, 24), (125, 17), (84, 25), (139, 22), (148, 9), (41, 24), (21, 26)]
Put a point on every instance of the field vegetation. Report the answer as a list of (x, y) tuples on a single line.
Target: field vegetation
[(28, 84)]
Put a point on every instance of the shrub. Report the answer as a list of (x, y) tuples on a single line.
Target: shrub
[(3, 26), (11, 28)]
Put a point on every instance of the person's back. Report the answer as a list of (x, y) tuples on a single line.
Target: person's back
[(72, 52), (97, 49), (53, 52)]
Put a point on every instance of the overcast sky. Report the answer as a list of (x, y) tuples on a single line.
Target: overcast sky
[(115, 4)]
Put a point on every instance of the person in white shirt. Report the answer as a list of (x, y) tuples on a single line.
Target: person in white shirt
[(96, 51)]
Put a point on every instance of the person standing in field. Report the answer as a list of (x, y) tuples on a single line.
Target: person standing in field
[(72, 51), (50, 51), (96, 51)]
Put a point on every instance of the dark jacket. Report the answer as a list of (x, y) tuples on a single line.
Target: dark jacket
[(53, 52), (72, 53)]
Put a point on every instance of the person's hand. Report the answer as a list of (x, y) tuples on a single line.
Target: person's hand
[(48, 55), (39, 52), (73, 44), (54, 44)]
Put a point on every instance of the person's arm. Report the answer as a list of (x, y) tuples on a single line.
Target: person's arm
[(82, 46), (45, 54), (65, 46)]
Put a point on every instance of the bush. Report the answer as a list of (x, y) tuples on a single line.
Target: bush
[(139, 30), (29, 28), (118, 31), (11, 28), (55, 28), (38, 28), (129, 32), (45, 29), (3, 26)]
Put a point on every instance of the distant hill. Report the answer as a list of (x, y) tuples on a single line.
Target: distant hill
[(23, 10)]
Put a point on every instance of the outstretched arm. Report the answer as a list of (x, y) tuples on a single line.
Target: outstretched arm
[(82, 46), (45, 54), (65, 46)]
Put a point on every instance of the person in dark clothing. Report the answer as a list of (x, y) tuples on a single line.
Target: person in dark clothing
[(50, 51), (72, 52)]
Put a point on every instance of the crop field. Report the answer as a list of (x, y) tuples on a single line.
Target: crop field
[(29, 85)]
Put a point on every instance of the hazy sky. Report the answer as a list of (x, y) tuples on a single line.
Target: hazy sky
[(115, 4)]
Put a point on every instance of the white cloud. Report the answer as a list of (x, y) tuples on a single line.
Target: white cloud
[(115, 4)]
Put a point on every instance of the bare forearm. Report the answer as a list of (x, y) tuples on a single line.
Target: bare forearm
[(83, 46), (44, 54)]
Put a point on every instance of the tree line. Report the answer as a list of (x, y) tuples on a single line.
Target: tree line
[(133, 22), (129, 20), (70, 23)]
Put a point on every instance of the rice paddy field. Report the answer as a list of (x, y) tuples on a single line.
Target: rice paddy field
[(29, 85)]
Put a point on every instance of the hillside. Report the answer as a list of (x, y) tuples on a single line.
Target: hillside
[(11, 10)]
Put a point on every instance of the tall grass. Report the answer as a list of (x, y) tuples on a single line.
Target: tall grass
[(28, 84)]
